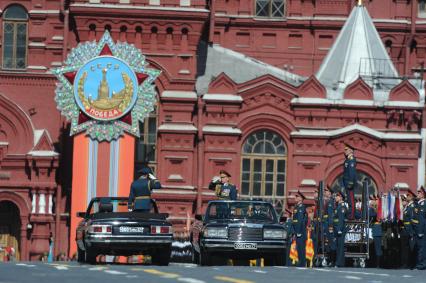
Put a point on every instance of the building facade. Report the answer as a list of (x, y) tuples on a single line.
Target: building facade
[(245, 86)]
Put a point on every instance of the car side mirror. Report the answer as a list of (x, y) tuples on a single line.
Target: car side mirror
[(198, 217), (81, 214)]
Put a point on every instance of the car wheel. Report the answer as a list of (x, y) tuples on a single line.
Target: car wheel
[(81, 255), (90, 256), (279, 260), (161, 257)]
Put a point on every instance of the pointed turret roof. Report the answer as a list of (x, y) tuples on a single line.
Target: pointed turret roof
[(357, 51)]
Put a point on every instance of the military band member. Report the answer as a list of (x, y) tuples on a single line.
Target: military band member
[(350, 178), (407, 232), (140, 191), (376, 229), (222, 187), (339, 228), (419, 226), (299, 220)]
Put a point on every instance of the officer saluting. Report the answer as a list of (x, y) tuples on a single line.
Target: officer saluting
[(222, 187), (140, 191), (419, 226), (299, 221), (339, 228)]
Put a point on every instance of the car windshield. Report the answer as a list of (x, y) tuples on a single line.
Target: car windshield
[(249, 211), (108, 205)]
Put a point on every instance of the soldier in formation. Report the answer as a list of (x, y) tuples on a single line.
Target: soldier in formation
[(299, 221)]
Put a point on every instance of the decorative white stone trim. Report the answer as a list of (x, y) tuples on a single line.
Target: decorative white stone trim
[(56, 64), (57, 38), (364, 129), (221, 130), (221, 97), (175, 177), (154, 2), (131, 7), (33, 203), (42, 204), (50, 204), (179, 94), (308, 182), (177, 127), (186, 3), (401, 185), (43, 153), (37, 44), (355, 102), (42, 68), (35, 12)]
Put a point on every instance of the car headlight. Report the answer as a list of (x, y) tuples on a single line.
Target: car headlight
[(216, 232), (274, 234)]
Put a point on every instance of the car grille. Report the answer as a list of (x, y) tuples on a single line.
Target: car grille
[(245, 234)]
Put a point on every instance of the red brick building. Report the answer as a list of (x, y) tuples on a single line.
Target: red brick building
[(245, 86)]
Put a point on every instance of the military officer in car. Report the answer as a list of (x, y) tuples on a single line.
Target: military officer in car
[(140, 191), (222, 186)]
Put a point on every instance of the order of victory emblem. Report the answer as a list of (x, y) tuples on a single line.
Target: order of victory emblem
[(105, 89)]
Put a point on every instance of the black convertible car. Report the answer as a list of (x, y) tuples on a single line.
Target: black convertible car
[(238, 230), (108, 228)]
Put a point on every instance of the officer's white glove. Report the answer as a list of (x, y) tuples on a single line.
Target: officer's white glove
[(130, 210), (420, 235), (152, 177), (339, 232), (298, 235), (216, 179)]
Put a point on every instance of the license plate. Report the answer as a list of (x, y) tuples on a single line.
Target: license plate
[(245, 246), (126, 229)]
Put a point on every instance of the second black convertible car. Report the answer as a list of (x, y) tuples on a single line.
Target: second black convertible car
[(238, 230), (108, 228)]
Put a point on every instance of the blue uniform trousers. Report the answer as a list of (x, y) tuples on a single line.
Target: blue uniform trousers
[(421, 256), (378, 246), (301, 250), (340, 256)]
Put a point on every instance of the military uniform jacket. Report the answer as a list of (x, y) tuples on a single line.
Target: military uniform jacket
[(224, 191), (329, 213), (339, 219), (349, 173), (140, 193), (300, 219), (419, 221), (408, 215), (376, 226)]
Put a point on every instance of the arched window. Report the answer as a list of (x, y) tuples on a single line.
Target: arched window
[(146, 145), (361, 176), (15, 20), (263, 174)]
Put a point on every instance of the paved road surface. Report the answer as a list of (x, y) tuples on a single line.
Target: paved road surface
[(72, 272)]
